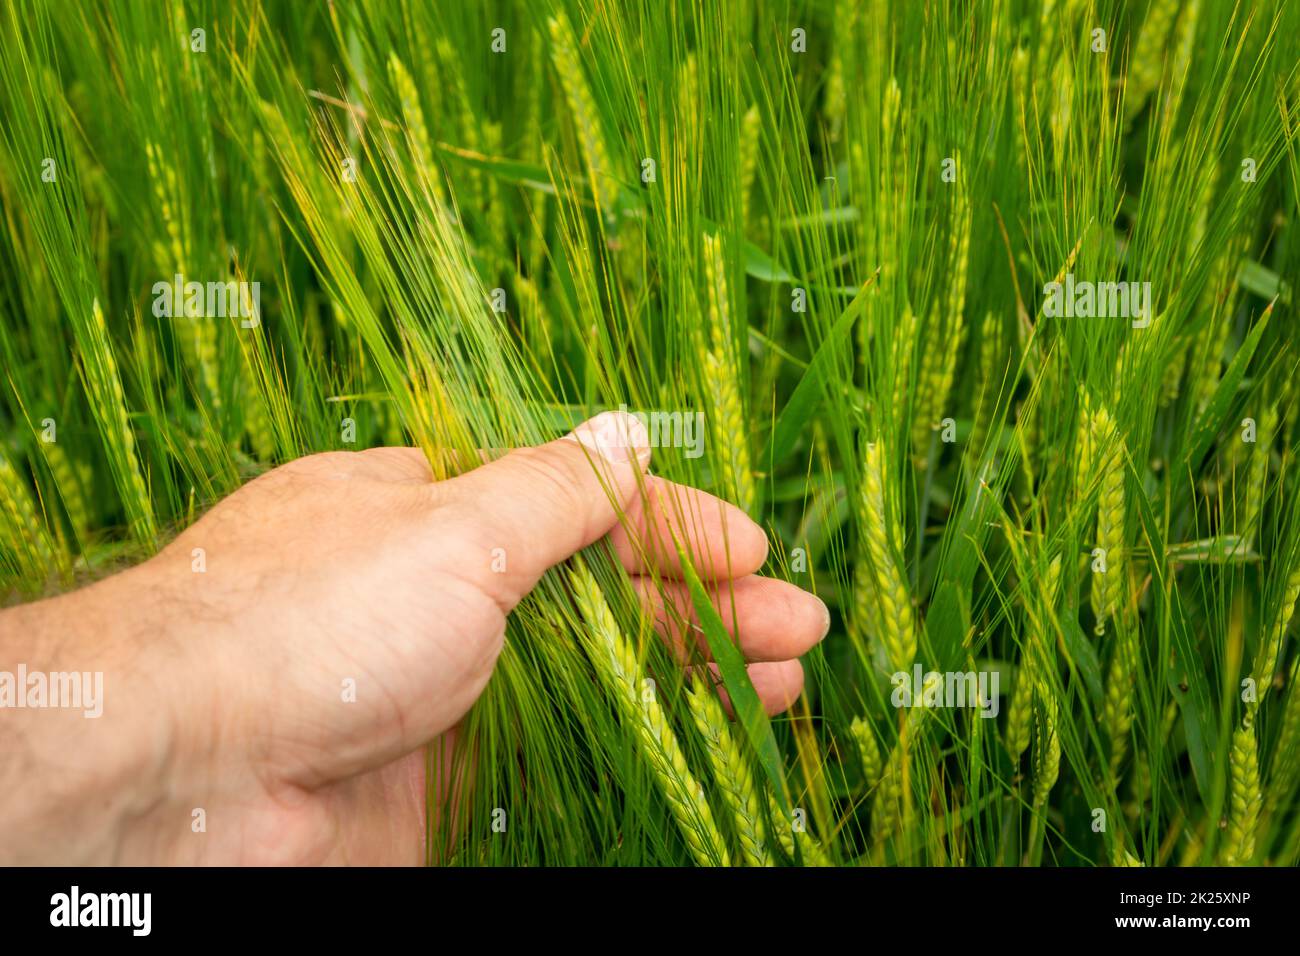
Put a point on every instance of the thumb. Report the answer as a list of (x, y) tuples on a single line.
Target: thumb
[(542, 504)]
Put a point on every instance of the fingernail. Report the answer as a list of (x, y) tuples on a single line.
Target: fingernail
[(618, 437), (826, 617)]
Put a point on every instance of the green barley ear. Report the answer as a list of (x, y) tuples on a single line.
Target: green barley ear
[(751, 128), (1085, 448), (162, 176), (1205, 358), (810, 849), (868, 750), (1285, 769), (835, 102), (69, 484), (1047, 750), (903, 357), (1031, 679), (22, 532), (463, 113), (1148, 57), (1184, 41), (1108, 587), (1034, 660), (730, 432), (1267, 660), (564, 54), (103, 386), (421, 144), (947, 332), (1117, 713), (1244, 801), (732, 774), (257, 420), (890, 808), (864, 619), (1257, 472), (989, 384), (197, 337), (882, 536), (880, 239), (1022, 703), (617, 664)]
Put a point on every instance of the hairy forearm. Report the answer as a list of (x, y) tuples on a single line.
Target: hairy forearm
[(87, 720)]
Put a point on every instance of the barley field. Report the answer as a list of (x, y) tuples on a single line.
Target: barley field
[(984, 310)]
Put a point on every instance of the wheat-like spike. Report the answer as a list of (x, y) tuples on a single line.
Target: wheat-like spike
[(812, 851), (205, 348), (939, 365), (1117, 712), (163, 179), (1047, 750), (882, 534), (1269, 652), (689, 105), (564, 53), (25, 533), (69, 484), (730, 429), (468, 122), (1257, 470), (1085, 448), (1108, 588), (104, 388), (1208, 359), (421, 144), (618, 665), (1285, 768), (1183, 46), (1020, 91), (732, 773), (1030, 681), (835, 102), (533, 316), (783, 832), (864, 622), (196, 334), (1218, 299), (868, 750), (1022, 702), (941, 388), (1171, 382), (1244, 801), (929, 379), (959, 245), (257, 421), (989, 384), (751, 128), (496, 209), (1148, 57), (888, 807), (904, 343), (890, 184), (902, 193)]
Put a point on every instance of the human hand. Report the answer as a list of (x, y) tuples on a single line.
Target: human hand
[(347, 615)]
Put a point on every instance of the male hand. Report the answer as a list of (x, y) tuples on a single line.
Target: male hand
[(343, 575)]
